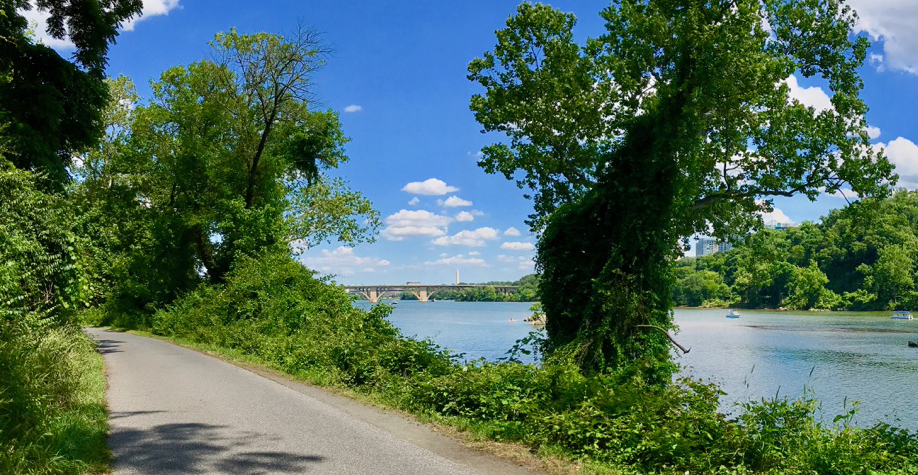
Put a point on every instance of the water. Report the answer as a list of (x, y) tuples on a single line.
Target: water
[(839, 357), (476, 329)]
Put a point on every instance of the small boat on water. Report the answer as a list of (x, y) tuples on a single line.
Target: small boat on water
[(901, 315), (733, 314), (912, 344)]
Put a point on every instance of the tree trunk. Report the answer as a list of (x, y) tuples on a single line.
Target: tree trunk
[(607, 260)]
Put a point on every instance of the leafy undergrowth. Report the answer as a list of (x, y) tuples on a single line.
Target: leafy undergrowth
[(275, 311), (52, 402)]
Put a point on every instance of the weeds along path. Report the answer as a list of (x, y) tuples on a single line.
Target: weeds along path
[(175, 410)]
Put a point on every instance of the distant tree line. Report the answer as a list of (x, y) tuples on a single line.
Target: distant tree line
[(526, 291), (856, 258)]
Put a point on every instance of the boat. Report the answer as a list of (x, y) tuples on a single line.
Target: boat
[(733, 314), (912, 344), (902, 315)]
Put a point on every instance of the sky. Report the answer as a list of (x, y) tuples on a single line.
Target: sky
[(397, 76)]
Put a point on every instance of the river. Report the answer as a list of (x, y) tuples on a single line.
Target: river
[(839, 357)]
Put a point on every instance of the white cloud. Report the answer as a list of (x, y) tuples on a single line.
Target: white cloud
[(891, 22), (523, 263), (809, 96), (873, 132), (879, 61), (151, 8), (518, 246), (465, 216), (414, 223), (457, 259), (343, 261), (454, 202), (903, 153), (776, 216), (430, 186), (511, 231), (474, 253), (353, 108), (414, 201), (845, 194), (467, 238)]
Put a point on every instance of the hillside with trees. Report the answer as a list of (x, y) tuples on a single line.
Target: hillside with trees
[(862, 257)]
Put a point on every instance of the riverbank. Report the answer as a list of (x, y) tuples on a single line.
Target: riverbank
[(280, 316)]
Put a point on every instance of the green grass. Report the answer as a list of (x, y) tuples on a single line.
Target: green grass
[(61, 428)]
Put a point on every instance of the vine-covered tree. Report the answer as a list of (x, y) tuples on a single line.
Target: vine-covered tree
[(677, 120)]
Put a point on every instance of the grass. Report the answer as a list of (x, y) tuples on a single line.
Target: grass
[(66, 432)]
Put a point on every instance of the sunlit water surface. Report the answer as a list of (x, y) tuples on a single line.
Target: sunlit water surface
[(839, 357)]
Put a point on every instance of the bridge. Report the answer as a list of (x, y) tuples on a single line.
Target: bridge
[(422, 291)]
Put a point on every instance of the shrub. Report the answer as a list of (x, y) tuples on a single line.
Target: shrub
[(48, 423)]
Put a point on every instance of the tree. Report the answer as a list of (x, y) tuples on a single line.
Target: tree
[(807, 289), (229, 159), (678, 119), (51, 106)]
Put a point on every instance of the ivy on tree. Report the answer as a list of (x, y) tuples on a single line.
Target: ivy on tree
[(677, 120)]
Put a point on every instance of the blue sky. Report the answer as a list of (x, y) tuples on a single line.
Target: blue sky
[(398, 78)]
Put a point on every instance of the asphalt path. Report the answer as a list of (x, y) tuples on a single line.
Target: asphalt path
[(177, 411)]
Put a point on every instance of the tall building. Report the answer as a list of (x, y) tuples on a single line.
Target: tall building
[(708, 246), (705, 246)]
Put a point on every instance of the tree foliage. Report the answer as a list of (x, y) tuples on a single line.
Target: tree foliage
[(51, 106), (863, 257), (676, 120), (228, 159)]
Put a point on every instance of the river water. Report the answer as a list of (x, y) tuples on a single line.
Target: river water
[(838, 357)]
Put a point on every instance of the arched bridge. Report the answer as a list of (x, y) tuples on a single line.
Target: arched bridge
[(422, 291)]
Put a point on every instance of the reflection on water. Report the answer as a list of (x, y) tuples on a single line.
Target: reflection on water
[(839, 357)]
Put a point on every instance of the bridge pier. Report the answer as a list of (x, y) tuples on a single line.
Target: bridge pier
[(372, 295), (423, 295)]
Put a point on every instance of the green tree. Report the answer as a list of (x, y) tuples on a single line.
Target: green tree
[(677, 119), (893, 274), (807, 289), (51, 106), (229, 159)]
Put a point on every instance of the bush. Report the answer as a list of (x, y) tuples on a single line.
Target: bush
[(275, 309), (52, 414)]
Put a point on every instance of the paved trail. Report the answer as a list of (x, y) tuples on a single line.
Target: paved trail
[(177, 411)]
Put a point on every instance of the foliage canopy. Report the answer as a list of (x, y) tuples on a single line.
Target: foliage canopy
[(677, 120), (229, 159), (51, 107)]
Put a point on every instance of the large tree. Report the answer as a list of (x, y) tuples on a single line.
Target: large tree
[(677, 120), (230, 158), (50, 107)]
